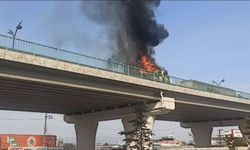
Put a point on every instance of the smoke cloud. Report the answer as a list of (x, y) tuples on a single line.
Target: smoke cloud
[(131, 27), (67, 28)]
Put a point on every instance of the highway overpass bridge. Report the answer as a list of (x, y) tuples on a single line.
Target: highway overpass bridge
[(39, 78)]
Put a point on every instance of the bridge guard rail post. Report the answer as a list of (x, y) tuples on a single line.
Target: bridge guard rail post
[(85, 131)]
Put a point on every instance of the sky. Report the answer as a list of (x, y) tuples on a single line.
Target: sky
[(208, 40)]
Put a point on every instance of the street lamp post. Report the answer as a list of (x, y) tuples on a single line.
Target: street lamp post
[(13, 34), (218, 84)]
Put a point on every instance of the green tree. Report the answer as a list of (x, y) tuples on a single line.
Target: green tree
[(139, 138), (233, 142)]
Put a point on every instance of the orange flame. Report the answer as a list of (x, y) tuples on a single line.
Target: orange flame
[(148, 66)]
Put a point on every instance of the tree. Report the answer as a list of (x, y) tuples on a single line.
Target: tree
[(139, 138), (230, 142), (233, 142)]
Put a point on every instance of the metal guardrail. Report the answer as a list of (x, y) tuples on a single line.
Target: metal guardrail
[(67, 56)]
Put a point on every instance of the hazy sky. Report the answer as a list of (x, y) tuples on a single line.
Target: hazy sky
[(208, 41)]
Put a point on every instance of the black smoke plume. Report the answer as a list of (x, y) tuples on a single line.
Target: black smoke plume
[(131, 25)]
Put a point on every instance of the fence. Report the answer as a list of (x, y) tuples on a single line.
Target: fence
[(67, 56)]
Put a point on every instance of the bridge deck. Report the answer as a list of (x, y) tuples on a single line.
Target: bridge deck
[(35, 77), (75, 58)]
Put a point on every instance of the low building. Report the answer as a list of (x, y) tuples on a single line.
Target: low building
[(168, 141), (219, 140), (27, 142)]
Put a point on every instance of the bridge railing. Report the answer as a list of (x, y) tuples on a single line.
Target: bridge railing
[(67, 56)]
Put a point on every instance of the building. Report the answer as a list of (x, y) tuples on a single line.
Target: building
[(219, 140), (27, 142), (168, 141)]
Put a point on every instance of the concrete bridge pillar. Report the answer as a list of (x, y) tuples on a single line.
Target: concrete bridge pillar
[(245, 131), (85, 131), (86, 124), (128, 126), (201, 133)]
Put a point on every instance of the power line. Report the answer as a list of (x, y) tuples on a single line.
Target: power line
[(17, 119), (113, 129), (101, 127), (160, 130), (20, 119)]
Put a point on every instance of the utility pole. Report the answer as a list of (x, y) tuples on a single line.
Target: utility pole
[(219, 130), (46, 127)]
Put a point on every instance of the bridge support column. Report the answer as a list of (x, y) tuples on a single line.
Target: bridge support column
[(245, 131), (164, 106), (201, 133), (128, 126), (85, 131)]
